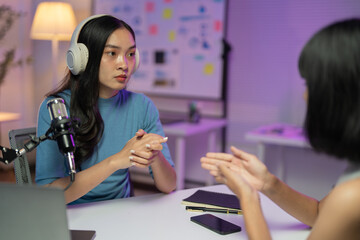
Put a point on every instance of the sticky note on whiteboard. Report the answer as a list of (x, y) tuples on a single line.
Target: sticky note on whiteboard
[(172, 35), (150, 7), (218, 25), (208, 69), (153, 29), (167, 13)]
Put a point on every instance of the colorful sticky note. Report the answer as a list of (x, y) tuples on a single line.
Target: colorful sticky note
[(172, 36), (167, 13), (153, 29), (218, 25), (199, 57), (149, 7), (116, 9), (205, 44), (208, 69), (202, 9)]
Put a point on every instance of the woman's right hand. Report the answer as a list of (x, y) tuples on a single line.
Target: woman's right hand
[(237, 183), (146, 143), (251, 169)]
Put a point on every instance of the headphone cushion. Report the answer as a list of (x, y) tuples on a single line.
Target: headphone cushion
[(84, 56), (137, 60), (77, 57)]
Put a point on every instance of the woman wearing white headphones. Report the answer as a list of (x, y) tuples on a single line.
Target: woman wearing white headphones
[(119, 128)]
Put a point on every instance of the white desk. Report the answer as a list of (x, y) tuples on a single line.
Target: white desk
[(163, 217), (183, 130), (283, 135)]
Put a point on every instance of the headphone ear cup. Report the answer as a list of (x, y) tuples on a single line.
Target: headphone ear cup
[(70, 58), (84, 53), (137, 60), (77, 57)]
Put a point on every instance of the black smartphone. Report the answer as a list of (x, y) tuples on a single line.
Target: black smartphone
[(216, 224)]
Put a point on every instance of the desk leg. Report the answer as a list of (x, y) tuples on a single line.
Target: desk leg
[(261, 151), (211, 148), (281, 165), (180, 162)]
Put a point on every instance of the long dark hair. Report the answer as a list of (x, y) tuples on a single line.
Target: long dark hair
[(85, 86), (330, 64)]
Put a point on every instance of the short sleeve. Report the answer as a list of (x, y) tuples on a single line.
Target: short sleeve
[(153, 125)]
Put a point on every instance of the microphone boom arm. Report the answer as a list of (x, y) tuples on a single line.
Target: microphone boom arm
[(10, 155)]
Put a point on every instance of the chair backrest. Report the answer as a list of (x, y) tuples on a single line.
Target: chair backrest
[(17, 138)]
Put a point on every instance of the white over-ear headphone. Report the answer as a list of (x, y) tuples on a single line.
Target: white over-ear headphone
[(78, 54)]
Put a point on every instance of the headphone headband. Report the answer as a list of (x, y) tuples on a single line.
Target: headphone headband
[(76, 33)]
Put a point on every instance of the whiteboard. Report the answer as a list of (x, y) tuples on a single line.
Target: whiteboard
[(180, 44)]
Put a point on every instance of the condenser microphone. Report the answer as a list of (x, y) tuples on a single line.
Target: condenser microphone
[(63, 132)]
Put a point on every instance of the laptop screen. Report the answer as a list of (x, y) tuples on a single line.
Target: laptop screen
[(32, 212)]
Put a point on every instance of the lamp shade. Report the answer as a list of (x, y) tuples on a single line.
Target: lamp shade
[(53, 20)]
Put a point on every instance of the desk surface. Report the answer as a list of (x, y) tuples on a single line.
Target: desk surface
[(185, 129), (162, 216), (280, 134)]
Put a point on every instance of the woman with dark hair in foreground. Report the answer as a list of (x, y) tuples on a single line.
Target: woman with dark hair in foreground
[(330, 65)]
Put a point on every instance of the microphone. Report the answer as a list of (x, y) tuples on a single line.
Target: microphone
[(63, 131)]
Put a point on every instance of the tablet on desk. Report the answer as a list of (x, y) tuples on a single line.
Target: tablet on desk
[(82, 234)]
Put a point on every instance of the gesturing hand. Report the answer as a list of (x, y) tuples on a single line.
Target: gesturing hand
[(235, 182), (247, 165)]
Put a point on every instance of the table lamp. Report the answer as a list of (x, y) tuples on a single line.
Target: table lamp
[(53, 21)]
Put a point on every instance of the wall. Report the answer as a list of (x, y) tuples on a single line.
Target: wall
[(16, 92), (266, 38), (42, 53)]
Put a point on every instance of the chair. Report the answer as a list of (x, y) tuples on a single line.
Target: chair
[(17, 138), (22, 165)]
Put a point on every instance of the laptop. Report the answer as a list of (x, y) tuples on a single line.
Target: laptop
[(34, 213)]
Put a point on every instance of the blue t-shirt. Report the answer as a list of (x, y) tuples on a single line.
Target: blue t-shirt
[(123, 115)]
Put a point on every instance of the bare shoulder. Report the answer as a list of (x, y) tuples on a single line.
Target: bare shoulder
[(340, 214), (345, 198), (347, 192)]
